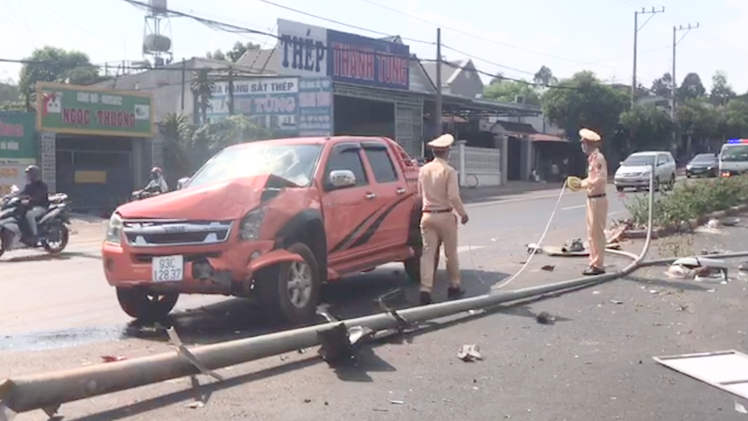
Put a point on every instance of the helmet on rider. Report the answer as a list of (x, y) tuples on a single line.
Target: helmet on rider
[(32, 173), (155, 173)]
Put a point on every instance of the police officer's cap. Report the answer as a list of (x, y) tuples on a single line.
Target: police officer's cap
[(589, 136), (444, 141)]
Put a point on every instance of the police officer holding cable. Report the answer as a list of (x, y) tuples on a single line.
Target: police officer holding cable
[(597, 202), (440, 191)]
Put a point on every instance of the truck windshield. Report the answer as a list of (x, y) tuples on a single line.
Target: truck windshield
[(294, 163), (639, 160), (734, 153)]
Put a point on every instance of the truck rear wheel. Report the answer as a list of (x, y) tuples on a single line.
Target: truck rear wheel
[(291, 290), (145, 305)]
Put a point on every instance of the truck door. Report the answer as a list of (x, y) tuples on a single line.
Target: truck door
[(348, 211), (390, 230)]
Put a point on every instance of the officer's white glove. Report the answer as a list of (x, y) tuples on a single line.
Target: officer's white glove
[(573, 183)]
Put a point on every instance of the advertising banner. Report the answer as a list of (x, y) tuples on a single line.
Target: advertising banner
[(17, 148), (315, 107), (302, 49), (366, 61), (272, 99), (81, 110)]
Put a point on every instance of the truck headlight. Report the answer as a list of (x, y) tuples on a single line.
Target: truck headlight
[(249, 228), (114, 231)]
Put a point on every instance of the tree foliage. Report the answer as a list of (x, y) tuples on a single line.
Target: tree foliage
[(642, 128), (545, 77), (508, 91), (51, 64), (211, 138), (202, 87), (721, 92), (663, 86), (235, 53), (691, 88)]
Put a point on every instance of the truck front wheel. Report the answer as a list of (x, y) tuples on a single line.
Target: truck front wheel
[(291, 290), (145, 305)]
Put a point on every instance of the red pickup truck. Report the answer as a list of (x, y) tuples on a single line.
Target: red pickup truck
[(274, 220)]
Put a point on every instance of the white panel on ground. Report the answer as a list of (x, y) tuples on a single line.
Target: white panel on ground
[(725, 370)]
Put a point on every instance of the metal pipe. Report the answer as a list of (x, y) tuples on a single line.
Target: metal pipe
[(48, 390)]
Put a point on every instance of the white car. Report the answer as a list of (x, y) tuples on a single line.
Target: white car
[(635, 170)]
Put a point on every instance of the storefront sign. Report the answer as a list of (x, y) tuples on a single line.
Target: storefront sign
[(17, 148), (302, 49), (315, 107), (260, 98), (81, 110), (367, 61)]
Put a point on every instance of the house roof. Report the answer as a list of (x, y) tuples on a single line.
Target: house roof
[(449, 69), (260, 61)]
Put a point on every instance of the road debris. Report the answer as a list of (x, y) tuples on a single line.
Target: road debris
[(549, 268), (740, 408), (616, 302), (545, 318), (533, 248), (112, 358), (698, 269), (196, 404), (730, 221), (573, 246), (469, 353)]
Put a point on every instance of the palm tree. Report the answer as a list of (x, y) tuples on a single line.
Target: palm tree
[(175, 133), (202, 90)]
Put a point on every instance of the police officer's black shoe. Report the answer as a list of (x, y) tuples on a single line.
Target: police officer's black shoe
[(454, 293), (425, 298), (593, 271)]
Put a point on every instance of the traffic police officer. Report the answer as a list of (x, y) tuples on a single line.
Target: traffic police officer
[(597, 202), (440, 191)]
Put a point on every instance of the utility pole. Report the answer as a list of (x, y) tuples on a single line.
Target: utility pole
[(637, 28), (674, 84), (438, 108)]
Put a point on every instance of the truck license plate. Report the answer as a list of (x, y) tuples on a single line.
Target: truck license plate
[(168, 268)]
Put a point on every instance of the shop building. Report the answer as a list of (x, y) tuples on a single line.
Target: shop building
[(96, 145)]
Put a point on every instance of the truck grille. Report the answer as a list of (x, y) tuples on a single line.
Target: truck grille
[(152, 233)]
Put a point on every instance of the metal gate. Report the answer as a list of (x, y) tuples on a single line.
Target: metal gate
[(94, 180), (408, 113)]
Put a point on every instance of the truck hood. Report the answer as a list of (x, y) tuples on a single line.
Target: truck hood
[(221, 201)]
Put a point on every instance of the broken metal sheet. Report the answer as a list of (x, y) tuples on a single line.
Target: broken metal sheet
[(725, 370)]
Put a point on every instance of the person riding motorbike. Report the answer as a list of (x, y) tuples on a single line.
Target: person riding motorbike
[(35, 198), (157, 183)]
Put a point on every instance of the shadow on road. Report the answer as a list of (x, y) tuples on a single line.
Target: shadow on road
[(357, 296), (66, 255)]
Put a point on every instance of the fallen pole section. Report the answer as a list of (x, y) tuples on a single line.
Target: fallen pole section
[(49, 390)]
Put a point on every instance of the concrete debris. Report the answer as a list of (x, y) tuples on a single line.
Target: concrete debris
[(545, 318), (469, 353)]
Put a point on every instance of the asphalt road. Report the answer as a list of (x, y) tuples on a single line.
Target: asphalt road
[(593, 362)]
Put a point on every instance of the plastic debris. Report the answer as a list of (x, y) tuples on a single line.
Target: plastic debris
[(616, 302), (112, 358), (533, 248), (573, 246), (740, 409), (196, 404), (469, 353)]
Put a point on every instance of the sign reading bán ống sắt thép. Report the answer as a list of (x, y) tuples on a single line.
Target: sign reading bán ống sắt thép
[(82, 110)]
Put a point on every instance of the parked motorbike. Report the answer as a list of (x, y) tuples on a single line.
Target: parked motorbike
[(145, 193), (52, 226)]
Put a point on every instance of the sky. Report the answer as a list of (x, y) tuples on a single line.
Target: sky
[(514, 38)]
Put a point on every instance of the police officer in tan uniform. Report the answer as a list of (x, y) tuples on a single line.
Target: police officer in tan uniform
[(597, 202), (440, 191)]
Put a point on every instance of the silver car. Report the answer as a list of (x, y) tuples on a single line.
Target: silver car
[(635, 171)]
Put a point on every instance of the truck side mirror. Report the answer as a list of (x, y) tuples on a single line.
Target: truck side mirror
[(181, 182), (342, 178)]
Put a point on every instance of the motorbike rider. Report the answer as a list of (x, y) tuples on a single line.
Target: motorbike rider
[(157, 183), (35, 198)]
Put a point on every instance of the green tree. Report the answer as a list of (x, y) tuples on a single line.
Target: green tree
[(176, 134), (51, 64), (691, 88), (663, 86), (508, 91), (202, 87), (235, 53), (643, 128), (734, 119), (211, 138), (697, 120), (583, 101), (721, 92), (545, 77)]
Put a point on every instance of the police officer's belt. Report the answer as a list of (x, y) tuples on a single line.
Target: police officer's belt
[(596, 196), (437, 210)]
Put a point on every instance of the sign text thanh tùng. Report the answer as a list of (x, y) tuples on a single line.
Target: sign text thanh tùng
[(367, 61)]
